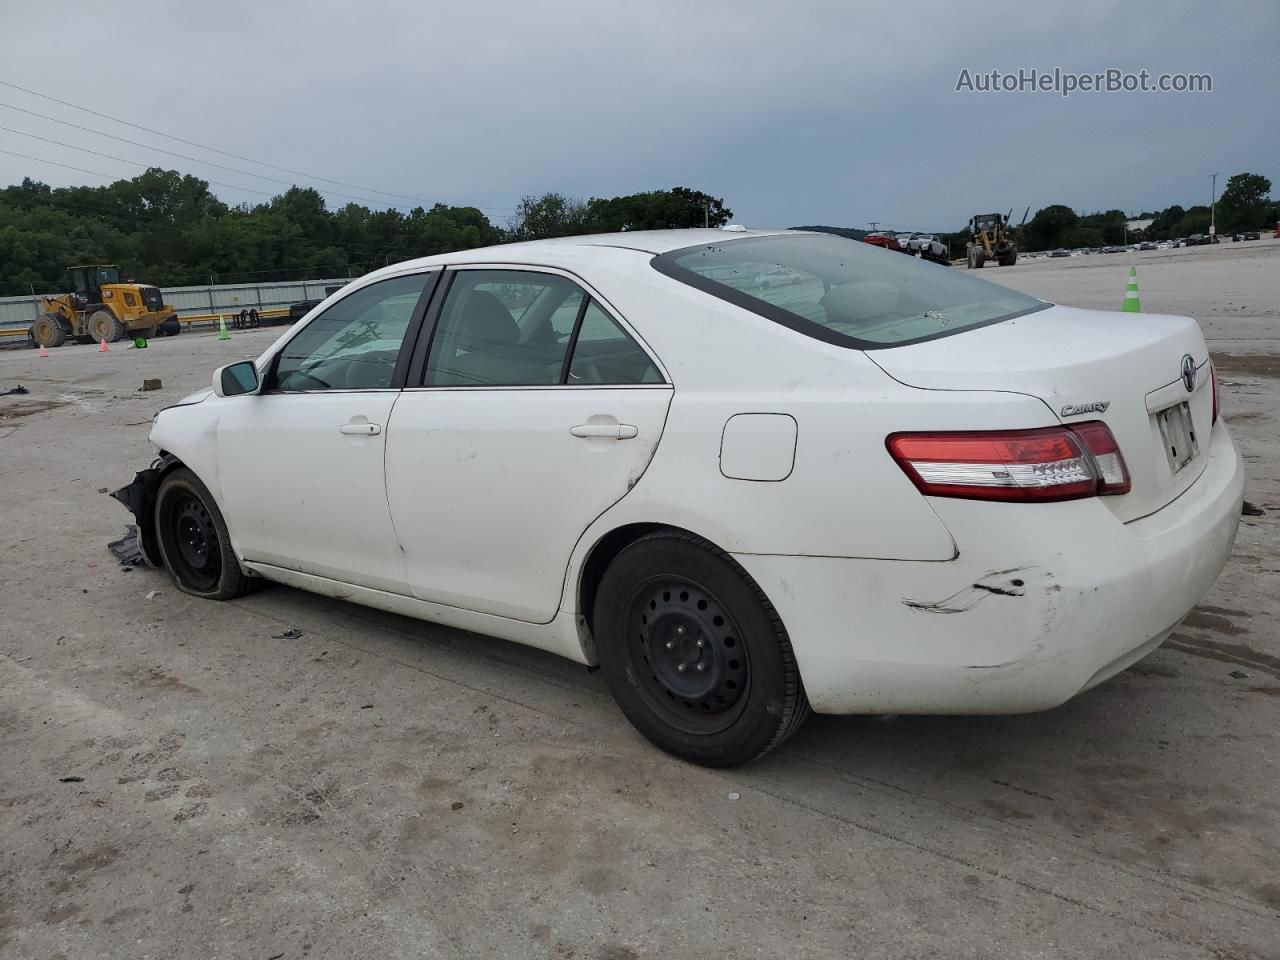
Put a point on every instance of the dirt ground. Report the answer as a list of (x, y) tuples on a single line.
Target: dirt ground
[(287, 776)]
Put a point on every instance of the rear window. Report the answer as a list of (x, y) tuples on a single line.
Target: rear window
[(844, 291)]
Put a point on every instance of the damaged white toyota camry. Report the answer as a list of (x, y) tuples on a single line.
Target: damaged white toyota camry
[(884, 486)]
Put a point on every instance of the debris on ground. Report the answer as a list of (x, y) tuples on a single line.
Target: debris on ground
[(733, 796), (456, 805), (19, 390), (152, 594), (151, 384), (291, 634), (1251, 510), (126, 549), (71, 779), (1238, 675)]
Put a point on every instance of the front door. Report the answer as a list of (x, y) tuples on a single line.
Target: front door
[(301, 463), (537, 411)]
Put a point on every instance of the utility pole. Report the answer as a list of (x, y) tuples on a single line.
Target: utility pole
[(1213, 200), (706, 216)]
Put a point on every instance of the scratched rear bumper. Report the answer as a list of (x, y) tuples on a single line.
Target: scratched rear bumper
[(1029, 614)]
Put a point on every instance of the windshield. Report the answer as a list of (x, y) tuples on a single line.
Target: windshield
[(844, 291)]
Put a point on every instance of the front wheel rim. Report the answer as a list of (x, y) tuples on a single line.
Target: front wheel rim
[(687, 654), (194, 536)]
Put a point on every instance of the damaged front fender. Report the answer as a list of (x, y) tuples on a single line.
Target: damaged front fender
[(140, 497)]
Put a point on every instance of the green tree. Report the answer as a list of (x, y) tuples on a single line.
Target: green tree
[(1048, 229), (1244, 202)]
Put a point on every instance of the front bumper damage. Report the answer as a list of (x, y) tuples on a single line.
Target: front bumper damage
[(140, 497)]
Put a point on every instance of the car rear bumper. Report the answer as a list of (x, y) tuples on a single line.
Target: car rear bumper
[(1043, 601)]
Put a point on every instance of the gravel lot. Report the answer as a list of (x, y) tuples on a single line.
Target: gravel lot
[(184, 779)]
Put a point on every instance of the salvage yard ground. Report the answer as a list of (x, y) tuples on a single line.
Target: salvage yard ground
[(288, 776)]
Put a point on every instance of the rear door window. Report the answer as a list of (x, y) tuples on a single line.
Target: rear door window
[(604, 353)]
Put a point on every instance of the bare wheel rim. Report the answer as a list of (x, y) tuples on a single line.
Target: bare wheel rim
[(194, 537), (686, 651)]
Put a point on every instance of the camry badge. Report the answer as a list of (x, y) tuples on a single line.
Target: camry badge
[(1189, 373), (1093, 406)]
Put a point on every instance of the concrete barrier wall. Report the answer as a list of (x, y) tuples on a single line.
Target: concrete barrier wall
[(194, 301)]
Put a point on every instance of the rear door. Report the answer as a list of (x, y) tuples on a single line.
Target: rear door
[(301, 464), (536, 409)]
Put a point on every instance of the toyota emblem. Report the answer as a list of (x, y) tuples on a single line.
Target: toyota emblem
[(1189, 373)]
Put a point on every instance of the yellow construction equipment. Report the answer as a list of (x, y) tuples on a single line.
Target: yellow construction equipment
[(100, 307), (993, 240)]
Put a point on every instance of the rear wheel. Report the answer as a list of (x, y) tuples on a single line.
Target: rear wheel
[(694, 653), (46, 331), (193, 538)]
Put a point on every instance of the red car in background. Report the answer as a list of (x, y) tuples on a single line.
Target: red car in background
[(886, 240)]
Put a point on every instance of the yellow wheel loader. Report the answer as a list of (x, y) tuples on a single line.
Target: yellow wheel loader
[(100, 307)]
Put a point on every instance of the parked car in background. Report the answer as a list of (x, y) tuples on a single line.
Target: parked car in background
[(900, 489), (1059, 253), (886, 240)]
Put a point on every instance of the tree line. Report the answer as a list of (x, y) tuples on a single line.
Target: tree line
[(166, 228), (1245, 204)]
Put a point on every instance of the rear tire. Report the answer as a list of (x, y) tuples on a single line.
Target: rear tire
[(194, 543), (46, 331), (694, 653)]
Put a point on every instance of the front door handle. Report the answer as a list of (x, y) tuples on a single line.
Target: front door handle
[(610, 431), (360, 429)]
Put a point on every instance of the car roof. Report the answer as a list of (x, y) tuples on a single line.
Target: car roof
[(644, 241)]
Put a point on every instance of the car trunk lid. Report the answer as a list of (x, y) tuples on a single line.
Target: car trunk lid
[(1124, 369)]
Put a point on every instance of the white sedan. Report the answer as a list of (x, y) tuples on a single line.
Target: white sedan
[(890, 488)]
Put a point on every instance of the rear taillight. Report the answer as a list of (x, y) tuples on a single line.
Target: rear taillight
[(1213, 378), (1057, 463), (1113, 475)]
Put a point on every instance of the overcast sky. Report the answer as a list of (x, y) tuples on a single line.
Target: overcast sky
[(795, 113)]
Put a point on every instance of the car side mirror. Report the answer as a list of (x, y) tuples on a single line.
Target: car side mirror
[(236, 379)]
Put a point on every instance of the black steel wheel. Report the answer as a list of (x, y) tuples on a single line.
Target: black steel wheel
[(193, 539), (691, 668), (694, 653)]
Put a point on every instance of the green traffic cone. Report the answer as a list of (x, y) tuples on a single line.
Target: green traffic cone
[(222, 328), (139, 343), (1131, 302)]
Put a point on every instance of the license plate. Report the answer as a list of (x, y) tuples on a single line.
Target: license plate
[(1178, 434)]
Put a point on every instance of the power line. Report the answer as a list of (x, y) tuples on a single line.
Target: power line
[(109, 176), (225, 153), (181, 156), (108, 156)]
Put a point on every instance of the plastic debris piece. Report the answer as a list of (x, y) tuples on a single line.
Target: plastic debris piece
[(126, 549)]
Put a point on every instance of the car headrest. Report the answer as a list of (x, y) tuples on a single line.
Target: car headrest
[(486, 323), (860, 300)]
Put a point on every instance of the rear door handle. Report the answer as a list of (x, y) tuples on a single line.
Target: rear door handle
[(610, 431), (360, 429)]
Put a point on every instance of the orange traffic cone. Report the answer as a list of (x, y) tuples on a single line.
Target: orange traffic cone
[(103, 348), (44, 351)]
